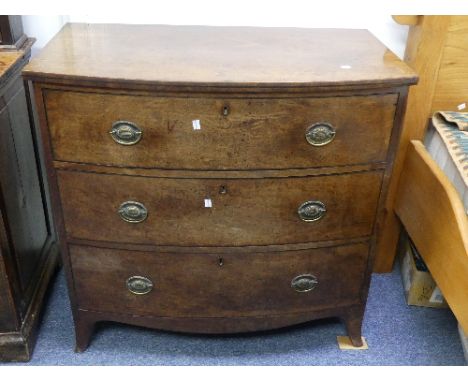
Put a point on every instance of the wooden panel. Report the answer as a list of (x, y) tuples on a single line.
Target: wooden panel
[(24, 209), (28, 255), (8, 317), (256, 134), (195, 285), (251, 212), (231, 56), (423, 53), (434, 216), (451, 86), (8, 312)]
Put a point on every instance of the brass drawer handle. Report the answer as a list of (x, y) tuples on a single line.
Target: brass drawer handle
[(125, 133), (304, 283), (139, 285), (312, 210), (133, 212), (320, 134)]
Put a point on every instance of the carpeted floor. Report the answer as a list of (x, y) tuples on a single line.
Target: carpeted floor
[(396, 333)]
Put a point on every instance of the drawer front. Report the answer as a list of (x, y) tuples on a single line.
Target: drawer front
[(190, 285), (207, 133), (217, 212)]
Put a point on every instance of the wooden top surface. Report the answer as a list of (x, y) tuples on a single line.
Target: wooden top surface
[(11, 60), (8, 59), (218, 56)]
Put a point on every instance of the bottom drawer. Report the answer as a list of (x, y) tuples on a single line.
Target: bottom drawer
[(210, 285)]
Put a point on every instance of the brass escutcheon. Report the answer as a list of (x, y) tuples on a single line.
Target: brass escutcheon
[(133, 212), (320, 134), (125, 133), (312, 210), (304, 283), (139, 285)]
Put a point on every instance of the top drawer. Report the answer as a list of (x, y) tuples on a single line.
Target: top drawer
[(218, 133)]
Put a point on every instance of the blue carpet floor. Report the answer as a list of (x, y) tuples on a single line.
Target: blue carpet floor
[(396, 333)]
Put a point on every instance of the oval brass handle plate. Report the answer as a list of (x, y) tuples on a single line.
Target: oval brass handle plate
[(133, 212), (312, 210), (320, 134), (304, 283), (125, 133), (139, 285)]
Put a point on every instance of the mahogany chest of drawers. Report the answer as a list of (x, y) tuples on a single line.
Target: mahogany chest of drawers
[(217, 179)]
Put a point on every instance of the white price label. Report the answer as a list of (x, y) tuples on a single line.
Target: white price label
[(208, 203), (196, 124)]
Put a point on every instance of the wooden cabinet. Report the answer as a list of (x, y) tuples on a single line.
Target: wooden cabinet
[(217, 179), (11, 32), (28, 254)]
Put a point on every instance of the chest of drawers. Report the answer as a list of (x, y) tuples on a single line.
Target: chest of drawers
[(217, 179)]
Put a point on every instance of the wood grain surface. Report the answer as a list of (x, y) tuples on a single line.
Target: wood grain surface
[(252, 164), (28, 256), (195, 285), (435, 218), (450, 88), (256, 133), (230, 56), (8, 60), (424, 50), (250, 212)]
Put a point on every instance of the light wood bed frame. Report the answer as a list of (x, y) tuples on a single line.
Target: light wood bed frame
[(434, 216), (436, 49), (421, 197)]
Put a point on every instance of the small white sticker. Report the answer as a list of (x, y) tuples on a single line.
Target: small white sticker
[(345, 66), (208, 203), (196, 124), (436, 296), (461, 106)]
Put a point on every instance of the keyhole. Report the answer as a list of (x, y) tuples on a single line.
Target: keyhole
[(223, 189), (225, 110), (220, 261)]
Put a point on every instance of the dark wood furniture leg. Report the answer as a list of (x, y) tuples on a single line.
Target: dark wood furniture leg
[(84, 327), (352, 319)]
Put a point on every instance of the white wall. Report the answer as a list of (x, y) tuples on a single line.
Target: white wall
[(43, 28), (381, 25)]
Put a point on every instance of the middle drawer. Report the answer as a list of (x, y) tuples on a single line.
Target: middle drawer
[(218, 212)]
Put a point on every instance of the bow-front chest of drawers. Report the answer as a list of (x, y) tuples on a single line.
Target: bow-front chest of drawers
[(217, 179)]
